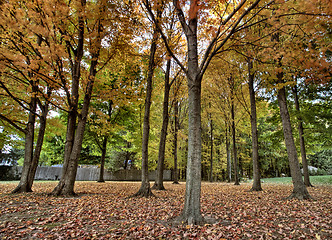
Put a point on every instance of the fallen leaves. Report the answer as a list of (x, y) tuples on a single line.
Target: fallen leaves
[(104, 211)]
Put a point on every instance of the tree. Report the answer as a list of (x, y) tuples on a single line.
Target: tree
[(299, 190), (83, 32), (163, 133), (74, 136), (112, 106), (254, 133), (172, 36), (145, 189), (301, 137), (192, 212), (26, 80), (176, 102), (285, 40), (175, 142), (229, 97), (103, 147), (233, 130)]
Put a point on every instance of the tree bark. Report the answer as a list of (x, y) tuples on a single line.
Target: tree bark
[(24, 185), (236, 170), (39, 144), (175, 142), (191, 212), (228, 153), (211, 149), (67, 182), (104, 146), (254, 133), (159, 185), (302, 142), (299, 189), (145, 190), (102, 160)]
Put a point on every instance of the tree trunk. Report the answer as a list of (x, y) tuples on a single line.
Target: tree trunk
[(299, 189), (72, 153), (70, 135), (39, 144), (145, 190), (211, 149), (175, 142), (104, 146), (31, 157), (24, 185), (102, 160), (302, 143), (236, 171), (65, 185), (228, 153), (191, 213), (67, 182), (192, 209), (254, 133), (159, 185)]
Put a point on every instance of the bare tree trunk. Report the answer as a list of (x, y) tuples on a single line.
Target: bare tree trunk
[(236, 170), (159, 185), (145, 190), (102, 160), (191, 213), (302, 143), (299, 189), (254, 133), (70, 134), (228, 153), (104, 146), (211, 149), (175, 142), (24, 185), (39, 144), (192, 210), (67, 182)]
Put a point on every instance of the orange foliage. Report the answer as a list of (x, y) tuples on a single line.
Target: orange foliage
[(194, 8)]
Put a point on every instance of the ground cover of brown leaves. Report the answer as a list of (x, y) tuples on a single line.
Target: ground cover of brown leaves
[(103, 211)]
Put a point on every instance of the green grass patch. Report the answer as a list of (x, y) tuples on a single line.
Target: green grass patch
[(9, 182), (315, 180), (35, 181)]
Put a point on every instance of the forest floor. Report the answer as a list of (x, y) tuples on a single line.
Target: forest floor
[(104, 211)]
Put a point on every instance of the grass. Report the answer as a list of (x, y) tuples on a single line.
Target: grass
[(35, 181), (315, 180)]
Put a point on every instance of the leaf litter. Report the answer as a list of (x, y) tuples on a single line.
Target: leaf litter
[(105, 211)]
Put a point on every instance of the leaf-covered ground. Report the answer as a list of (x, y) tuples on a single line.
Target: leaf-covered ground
[(103, 211)]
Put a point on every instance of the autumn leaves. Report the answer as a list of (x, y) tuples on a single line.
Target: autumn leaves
[(70, 55)]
